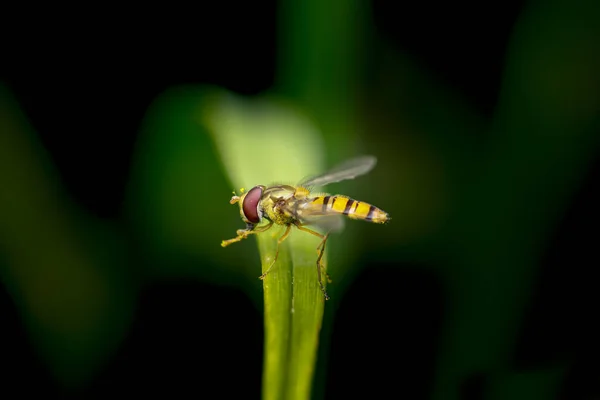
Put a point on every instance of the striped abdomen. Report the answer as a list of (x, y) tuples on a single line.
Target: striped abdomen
[(351, 208)]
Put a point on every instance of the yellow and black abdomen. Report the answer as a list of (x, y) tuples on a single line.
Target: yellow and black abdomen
[(351, 208)]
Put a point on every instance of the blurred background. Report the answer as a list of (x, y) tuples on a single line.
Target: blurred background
[(114, 196)]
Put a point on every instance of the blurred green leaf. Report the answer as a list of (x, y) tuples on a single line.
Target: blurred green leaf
[(542, 140), (63, 267)]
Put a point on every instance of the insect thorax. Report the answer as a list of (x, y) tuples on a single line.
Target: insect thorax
[(277, 203)]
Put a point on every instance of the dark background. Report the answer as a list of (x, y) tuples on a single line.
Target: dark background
[(107, 70)]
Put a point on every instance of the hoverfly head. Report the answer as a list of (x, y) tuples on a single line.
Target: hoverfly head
[(250, 209)]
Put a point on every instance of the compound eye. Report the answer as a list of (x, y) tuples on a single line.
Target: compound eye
[(250, 205)]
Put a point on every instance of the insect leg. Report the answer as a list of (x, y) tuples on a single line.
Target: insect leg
[(244, 233), (321, 250), (263, 228), (281, 239)]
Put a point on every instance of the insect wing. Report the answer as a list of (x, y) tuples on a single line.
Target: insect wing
[(329, 223), (326, 220), (347, 170)]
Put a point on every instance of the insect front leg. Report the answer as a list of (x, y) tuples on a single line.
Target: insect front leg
[(281, 239), (244, 233)]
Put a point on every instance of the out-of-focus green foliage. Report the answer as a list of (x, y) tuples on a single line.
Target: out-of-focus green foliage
[(65, 270), (178, 197), (542, 138)]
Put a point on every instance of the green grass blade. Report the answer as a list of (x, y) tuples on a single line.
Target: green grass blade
[(278, 318), (307, 315), (262, 142)]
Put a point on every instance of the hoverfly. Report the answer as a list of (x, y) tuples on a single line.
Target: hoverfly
[(297, 206)]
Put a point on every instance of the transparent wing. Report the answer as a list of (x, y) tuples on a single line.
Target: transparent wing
[(326, 222), (347, 170)]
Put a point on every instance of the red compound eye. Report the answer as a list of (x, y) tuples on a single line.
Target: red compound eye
[(250, 205)]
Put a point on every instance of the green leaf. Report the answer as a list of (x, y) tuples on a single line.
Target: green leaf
[(64, 269), (262, 141)]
